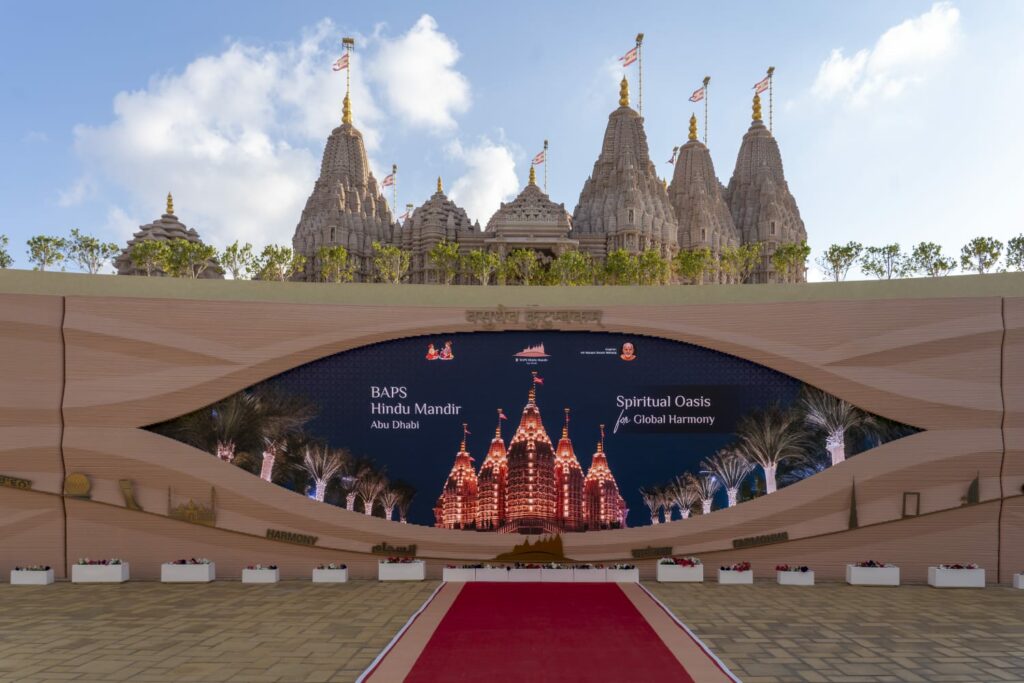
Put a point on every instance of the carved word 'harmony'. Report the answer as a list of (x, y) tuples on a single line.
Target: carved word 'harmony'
[(290, 537), (15, 483)]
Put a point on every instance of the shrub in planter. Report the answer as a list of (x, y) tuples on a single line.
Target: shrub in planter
[(330, 573), (32, 575), (99, 571)]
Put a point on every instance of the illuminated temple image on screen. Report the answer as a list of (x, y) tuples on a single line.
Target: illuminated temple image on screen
[(532, 432)]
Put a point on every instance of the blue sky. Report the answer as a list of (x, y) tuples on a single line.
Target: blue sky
[(897, 120)]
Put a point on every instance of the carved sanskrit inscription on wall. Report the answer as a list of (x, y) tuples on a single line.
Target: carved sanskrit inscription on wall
[(388, 549), (648, 552), (767, 539), (532, 318)]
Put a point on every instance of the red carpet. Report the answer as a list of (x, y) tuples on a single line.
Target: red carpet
[(497, 632)]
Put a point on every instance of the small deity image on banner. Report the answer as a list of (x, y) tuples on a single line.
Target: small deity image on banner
[(628, 351)]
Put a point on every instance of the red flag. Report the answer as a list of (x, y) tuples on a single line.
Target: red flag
[(502, 415), (404, 216), (629, 57), (673, 159), (537, 380), (388, 181), (697, 95), (539, 159), (762, 85), (342, 63)]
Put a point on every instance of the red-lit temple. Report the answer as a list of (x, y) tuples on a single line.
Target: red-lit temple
[(532, 486)]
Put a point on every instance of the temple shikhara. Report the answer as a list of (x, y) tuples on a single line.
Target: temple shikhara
[(532, 486)]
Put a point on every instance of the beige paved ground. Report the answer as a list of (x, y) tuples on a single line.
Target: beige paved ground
[(298, 631), (224, 631), (854, 634)]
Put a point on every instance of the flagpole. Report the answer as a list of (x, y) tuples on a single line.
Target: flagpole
[(640, 73), (546, 162), (348, 44), (707, 81), (771, 71), (394, 185)]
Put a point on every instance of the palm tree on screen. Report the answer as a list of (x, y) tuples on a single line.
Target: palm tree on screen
[(280, 416), (684, 493), (835, 417), (389, 498), (771, 437), (652, 499), (369, 487), (322, 464), (730, 468), (706, 486), (223, 428)]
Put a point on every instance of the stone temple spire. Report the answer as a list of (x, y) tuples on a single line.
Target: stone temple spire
[(698, 201), (759, 199), (623, 203), (346, 207), (437, 220)]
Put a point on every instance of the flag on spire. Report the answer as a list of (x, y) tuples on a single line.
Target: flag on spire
[(537, 380), (539, 159), (404, 216), (762, 85), (697, 95), (502, 415), (342, 63), (675, 150), (388, 181), (630, 56)]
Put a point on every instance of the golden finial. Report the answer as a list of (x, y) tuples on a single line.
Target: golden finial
[(170, 204), (533, 175), (693, 126), (757, 107), (624, 93), (440, 187), (346, 111)]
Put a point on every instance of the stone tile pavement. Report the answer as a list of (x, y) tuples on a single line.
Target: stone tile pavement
[(147, 632), (856, 634), (297, 632)]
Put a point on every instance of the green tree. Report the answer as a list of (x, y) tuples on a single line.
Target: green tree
[(981, 254), (572, 268), (927, 258), (692, 265), (652, 268), (523, 265), (839, 258), (279, 263), (481, 265), (790, 260), (238, 260), (885, 262), (45, 251), (89, 253), (390, 263), (149, 255), (188, 259), (1015, 253), (620, 268), (334, 264), (739, 262), (5, 259), (444, 256)]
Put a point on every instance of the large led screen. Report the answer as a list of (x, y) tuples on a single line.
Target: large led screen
[(533, 432)]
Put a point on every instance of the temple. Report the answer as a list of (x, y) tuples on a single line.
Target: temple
[(623, 205), (532, 486)]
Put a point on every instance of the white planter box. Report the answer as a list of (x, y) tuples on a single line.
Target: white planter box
[(729, 576), (492, 574), (956, 578), (795, 578), (458, 574), (556, 575), (407, 571), (589, 575), (99, 573), (261, 576), (524, 575), (623, 575), (31, 578), (872, 576), (1018, 580), (676, 573), (187, 573), (330, 575)]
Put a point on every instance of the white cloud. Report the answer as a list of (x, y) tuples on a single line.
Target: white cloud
[(230, 136), (82, 189), (120, 225), (904, 55), (417, 75), (490, 178)]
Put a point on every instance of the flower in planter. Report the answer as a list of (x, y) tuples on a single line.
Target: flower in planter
[(260, 566), (193, 560), (623, 566), (86, 560), (681, 561), (873, 563), (332, 565), (33, 568), (958, 566), (738, 567), (399, 560), (792, 568)]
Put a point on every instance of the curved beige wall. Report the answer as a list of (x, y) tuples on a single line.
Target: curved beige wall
[(942, 355)]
